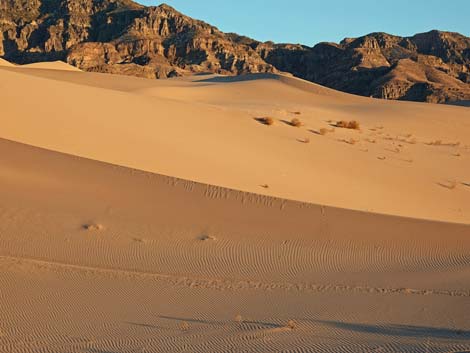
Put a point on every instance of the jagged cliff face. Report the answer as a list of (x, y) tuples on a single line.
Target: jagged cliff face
[(120, 36), (431, 67)]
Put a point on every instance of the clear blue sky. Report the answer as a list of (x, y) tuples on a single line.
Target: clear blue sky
[(312, 21)]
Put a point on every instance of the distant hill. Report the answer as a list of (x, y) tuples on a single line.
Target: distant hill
[(123, 37)]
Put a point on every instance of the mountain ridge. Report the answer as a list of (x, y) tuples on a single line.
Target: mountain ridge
[(123, 37)]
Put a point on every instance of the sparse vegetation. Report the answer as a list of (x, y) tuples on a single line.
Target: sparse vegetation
[(353, 124), (265, 186), (323, 131), (295, 122), (440, 143), (266, 120), (350, 141), (291, 324), (206, 237), (184, 326), (296, 113), (93, 227)]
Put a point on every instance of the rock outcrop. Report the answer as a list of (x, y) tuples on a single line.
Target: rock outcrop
[(123, 37), (431, 67)]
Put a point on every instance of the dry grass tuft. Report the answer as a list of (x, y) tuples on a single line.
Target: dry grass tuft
[(350, 141), (440, 143), (295, 122), (206, 237), (265, 120), (93, 227), (238, 319), (323, 131), (353, 124), (184, 326), (291, 324)]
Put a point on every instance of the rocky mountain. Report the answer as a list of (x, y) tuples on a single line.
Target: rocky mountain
[(123, 37), (431, 67)]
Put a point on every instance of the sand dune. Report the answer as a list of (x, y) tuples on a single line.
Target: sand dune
[(395, 165), (5, 63), (53, 65), (164, 263), (161, 216)]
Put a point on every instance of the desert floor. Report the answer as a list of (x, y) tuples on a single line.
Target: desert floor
[(163, 216)]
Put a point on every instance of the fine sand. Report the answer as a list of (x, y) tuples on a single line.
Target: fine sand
[(164, 216)]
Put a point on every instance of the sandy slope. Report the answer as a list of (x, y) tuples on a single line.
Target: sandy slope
[(4, 63), (203, 129), (99, 257), (116, 260), (55, 65)]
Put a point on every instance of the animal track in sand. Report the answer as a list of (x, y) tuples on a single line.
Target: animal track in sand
[(448, 184)]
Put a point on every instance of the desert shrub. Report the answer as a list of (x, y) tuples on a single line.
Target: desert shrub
[(353, 124), (296, 122), (266, 121), (291, 324), (184, 326)]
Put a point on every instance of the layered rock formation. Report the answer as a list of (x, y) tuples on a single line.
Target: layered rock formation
[(432, 67), (123, 37)]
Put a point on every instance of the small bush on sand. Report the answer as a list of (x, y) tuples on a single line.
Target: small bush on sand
[(291, 324), (353, 124), (296, 122), (184, 326), (266, 121), (350, 141)]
